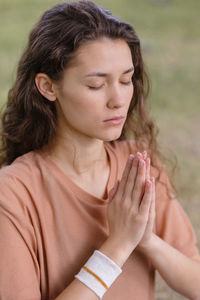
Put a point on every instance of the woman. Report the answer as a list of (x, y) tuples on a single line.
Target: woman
[(77, 201)]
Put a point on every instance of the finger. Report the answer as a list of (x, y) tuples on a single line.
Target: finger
[(131, 179), (113, 191), (151, 217), (125, 176), (138, 188), (144, 155), (146, 200), (139, 155), (152, 207), (153, 199), (148, 165)]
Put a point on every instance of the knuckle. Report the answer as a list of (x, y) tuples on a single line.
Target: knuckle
[(146, 202), (137, 187), (123, 180), (125, 205), (130, 181), (134, 211), (140, 219), (117, 198)]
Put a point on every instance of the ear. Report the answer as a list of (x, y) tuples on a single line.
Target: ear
[(45, 86)]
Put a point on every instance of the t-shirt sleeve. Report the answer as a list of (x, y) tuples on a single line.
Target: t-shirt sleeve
[(19, 269), (172, 224)]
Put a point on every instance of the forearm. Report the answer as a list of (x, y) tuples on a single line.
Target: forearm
[(180, 272), (79, 291)]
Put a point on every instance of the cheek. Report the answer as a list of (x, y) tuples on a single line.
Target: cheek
[(84, 107), (129, 94), (132, 90)]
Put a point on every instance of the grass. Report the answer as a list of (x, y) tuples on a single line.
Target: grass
[(169, 31)]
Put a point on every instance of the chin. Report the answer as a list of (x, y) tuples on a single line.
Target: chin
[(108, 135), (111, 137)]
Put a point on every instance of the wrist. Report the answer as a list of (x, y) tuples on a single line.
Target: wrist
[(116, 250), (98, 273), (149, 245)]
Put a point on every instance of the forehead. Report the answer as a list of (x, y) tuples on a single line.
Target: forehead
[(103, 54)]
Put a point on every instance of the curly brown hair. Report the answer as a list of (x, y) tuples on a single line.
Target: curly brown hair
[(29, 120)]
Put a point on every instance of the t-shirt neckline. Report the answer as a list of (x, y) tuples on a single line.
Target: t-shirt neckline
[(80, 192)]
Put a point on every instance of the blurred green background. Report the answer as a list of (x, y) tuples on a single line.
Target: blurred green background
[(170, 35)]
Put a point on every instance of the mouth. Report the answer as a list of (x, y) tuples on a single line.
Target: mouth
[(115, 120)]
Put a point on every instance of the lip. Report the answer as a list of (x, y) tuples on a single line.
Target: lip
[(115, 120)]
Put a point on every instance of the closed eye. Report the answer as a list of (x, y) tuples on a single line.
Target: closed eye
[(95, 88), (98, 88), (127, 83)]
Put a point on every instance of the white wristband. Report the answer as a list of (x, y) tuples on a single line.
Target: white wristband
[(98, 273)]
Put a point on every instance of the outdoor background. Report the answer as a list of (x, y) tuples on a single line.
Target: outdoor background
[(170, 35)]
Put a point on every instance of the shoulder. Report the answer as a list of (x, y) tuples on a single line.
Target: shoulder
[(21, 167), (17, 179)]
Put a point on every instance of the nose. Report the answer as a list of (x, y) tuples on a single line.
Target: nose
[(116, 97)]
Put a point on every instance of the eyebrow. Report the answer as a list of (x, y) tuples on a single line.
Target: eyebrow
[(99, 74)]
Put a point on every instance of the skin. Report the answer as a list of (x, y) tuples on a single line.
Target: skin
[(81, 126), (81, 114)]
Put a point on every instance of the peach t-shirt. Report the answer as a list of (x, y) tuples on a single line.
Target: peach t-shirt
[(49, 227)]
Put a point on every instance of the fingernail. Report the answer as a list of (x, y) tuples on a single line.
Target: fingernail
[(144, 154), (131, 156), (139, 154), (141, 163), (149, 183)]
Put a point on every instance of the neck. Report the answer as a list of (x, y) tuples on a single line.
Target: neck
[(78, 156)]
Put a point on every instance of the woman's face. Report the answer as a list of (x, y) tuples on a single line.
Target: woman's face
[(96, 88)]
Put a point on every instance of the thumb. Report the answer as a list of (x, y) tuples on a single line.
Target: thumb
[(113, 191)]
